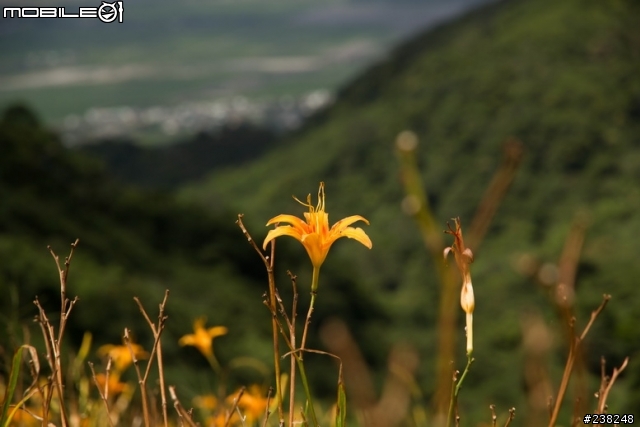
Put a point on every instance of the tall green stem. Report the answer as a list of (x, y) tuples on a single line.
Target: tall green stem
[(307, 391), (314, 292), (300, 356), (456, 390)]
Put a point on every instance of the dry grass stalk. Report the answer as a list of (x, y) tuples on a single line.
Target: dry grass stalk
[(576, 342), (183, 414), (269, 263), (104, 395), (606, 383), (266, 409), (52, 341), (494, 417), (234, 406), (513, 150), (157, 350)]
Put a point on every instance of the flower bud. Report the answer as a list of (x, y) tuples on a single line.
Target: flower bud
[(467, 300)]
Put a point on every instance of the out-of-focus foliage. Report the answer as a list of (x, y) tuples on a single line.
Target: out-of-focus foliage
[(562, 77), (132, 243), (184, 161)]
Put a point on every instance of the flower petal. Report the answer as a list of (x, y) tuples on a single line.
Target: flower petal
[(105, 349), (358, 234), (285, 230), (199, 323), (345, 222), (315, 248), (189, 339), (289, 219), (217, 331)]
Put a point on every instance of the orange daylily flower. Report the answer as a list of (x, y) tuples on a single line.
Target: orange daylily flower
[(207, 401), (115, 386), (220, 420), (121, 355), (202, 338), (252, 404), (25, 417), (314, 232)]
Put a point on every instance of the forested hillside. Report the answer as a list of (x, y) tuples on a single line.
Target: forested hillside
[(563, 78)]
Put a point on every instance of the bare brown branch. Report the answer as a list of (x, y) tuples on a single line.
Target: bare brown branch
[(183, 414), (271, 304), (234, 406), (103, 395)]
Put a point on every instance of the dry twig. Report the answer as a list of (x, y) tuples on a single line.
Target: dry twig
[(575, 343), (268, 263), (157, 349), (52, 341), (183, 414), (606, 384), (103, 395)]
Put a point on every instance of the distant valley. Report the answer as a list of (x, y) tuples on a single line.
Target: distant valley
[(168, 55)]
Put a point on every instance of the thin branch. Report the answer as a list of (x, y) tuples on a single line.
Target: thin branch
[(182, 413), (595, 314), (269, 263), (496, 191), (141, 380), (252, 242), (53, 343), (104, 395), (157, 349), (602, 398), (512, 415), (494, 418), (236, 401), (292, 332), (266, 409), (575, 342)]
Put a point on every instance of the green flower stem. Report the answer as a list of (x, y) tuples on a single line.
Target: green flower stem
[(305, 385), (300, 355), (215, 365), (213, 362), (464, 374), (315, 278), (455, 390), (314, 292)]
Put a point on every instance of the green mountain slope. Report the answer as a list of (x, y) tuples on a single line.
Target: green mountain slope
[(563, 77), (188, 160)]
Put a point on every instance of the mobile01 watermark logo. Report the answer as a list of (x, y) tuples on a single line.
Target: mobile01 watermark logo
[(107, 12)]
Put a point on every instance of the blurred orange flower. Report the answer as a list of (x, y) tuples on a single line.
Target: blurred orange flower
[(314, 232), (252, 404), (26, 417), (121, 355), (202, 338), (115, 386), (219, 420), (207, 401)]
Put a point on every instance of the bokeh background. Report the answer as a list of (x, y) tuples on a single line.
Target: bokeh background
[(145, 139)]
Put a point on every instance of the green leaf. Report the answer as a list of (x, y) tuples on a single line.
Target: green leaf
[(341, 410), (13, 381)]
